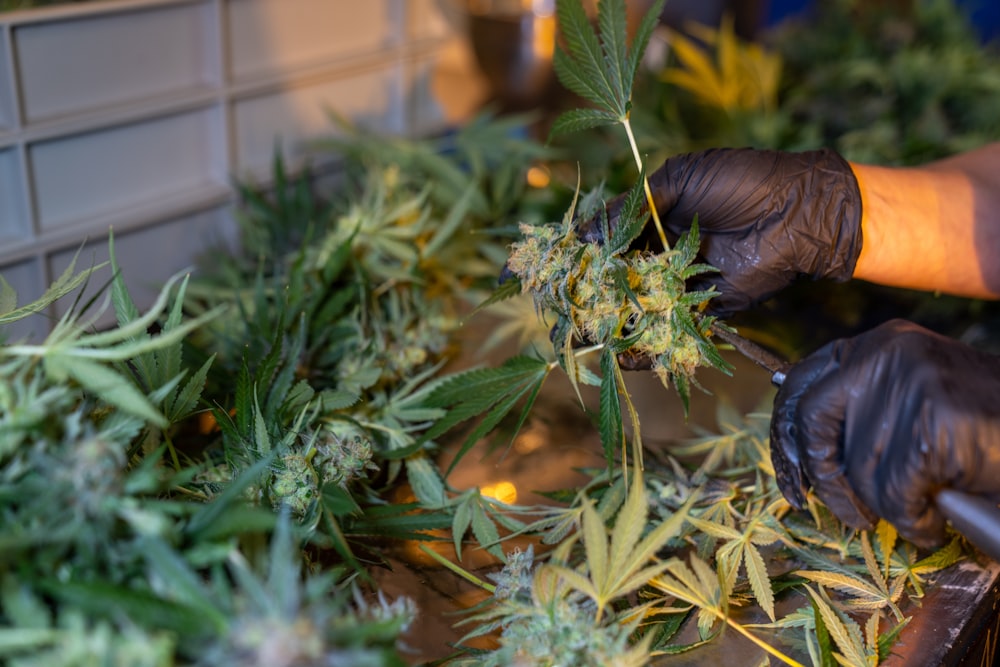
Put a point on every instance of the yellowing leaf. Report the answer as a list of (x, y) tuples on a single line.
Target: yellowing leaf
[(863, 590), (844, 631), (760, 583)]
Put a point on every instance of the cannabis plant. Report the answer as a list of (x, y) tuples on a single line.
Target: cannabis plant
[(615, 297)]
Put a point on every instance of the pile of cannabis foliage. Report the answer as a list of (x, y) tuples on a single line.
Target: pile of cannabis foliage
[(212, 481), (207, 482)]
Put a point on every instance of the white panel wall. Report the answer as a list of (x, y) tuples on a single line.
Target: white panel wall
[(139, 114), (99, 61), (272, 37)]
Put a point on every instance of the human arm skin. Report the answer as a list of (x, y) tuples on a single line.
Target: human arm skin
[(935, 227)]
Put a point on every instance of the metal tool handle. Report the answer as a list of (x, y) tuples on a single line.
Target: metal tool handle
[(975, 517)]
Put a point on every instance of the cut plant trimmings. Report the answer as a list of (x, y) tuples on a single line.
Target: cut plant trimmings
[(615, 297), (620, 299)]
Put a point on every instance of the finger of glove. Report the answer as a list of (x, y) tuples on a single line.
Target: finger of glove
[(506, 274), (785, 455), (806, 432), (821, 433), (630, 360), (729, 298)]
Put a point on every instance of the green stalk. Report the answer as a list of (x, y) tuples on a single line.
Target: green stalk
[(580, 352), (173, 451), (465, 574), (634, 416), (645, 184), (791, 662)]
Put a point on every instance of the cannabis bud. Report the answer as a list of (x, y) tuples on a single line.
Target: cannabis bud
[(624, 299)]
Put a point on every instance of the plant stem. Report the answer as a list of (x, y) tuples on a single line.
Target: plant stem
[(173, 451), (580, 352), (465, 574), (761, 643), (634, 416), (686, 596), (645, 184)]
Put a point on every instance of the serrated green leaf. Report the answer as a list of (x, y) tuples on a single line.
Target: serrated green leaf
[(486, 531), (664, 531), (332, 400), (460, 523), (8, 297), (612, 429), (850, 584), (125, 308), (595, 542), (716, 530), (508, 290), (60, 287), (478, 383), (491, 392), (630, 523), (185, 401), (426, 481), (824, 644), (640, 41), (757, 575), (577, 120), (947, 555), (107, 385), (888, 639), (631, 220), (611, 22), (845, 632), (583, 70)]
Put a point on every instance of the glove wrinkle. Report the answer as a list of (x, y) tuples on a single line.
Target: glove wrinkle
[(886, 419)]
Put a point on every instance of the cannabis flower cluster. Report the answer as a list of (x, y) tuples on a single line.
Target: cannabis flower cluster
[(609, 294)]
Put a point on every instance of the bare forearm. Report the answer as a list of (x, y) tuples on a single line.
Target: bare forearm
[(934, 227)]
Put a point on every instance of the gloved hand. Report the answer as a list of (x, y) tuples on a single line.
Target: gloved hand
[(879, 422), (766, 218)]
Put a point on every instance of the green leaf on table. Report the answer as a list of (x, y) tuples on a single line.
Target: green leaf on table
[(620, 561), (492, 392), (844, 631), (824, 645)]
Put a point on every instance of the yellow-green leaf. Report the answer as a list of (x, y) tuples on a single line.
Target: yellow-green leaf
[(760, 583)]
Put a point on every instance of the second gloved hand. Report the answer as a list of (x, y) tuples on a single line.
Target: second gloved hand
[(878, 423), (766, 218)]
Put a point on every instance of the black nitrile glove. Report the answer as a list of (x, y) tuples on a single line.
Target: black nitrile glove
[(879, 422), (766, 218)]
